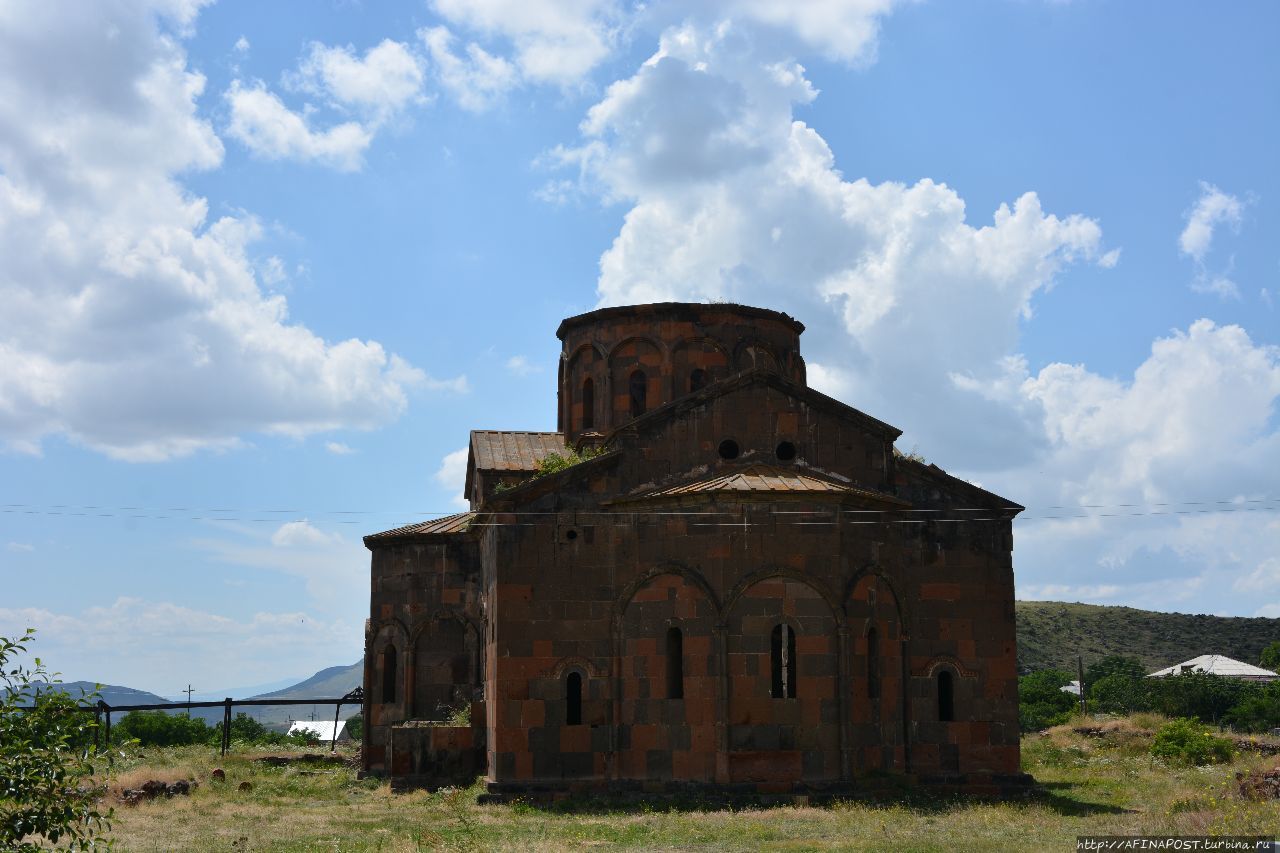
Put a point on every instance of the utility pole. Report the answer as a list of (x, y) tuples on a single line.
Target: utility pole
[(188, 691), (1084, 708)]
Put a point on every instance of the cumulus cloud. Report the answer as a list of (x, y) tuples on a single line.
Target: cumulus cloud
[(20, 547), (553, 41), (1213, 208), (373, 89), (477, 80), (337, 448), (167, 643), (452, 476), (133, 323), (302, 533), (521, 366), (915, 311)]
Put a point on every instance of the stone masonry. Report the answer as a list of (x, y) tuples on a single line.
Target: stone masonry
[(742, 588)]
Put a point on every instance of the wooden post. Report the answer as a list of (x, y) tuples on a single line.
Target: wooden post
[(97, 725), (333, 744), (226, 726), (107, 734), (1084, 708)]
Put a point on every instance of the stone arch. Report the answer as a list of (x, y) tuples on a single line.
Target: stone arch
[(930, 669), (562, 667), (656, 730), (628, 356), (447, 660), (588, 361), (671, 568), (882, 577), (793, 731), (691, 354), (751, 353), (876, 686), (768, 572)]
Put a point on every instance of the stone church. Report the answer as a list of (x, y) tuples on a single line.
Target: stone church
[(729, 582)]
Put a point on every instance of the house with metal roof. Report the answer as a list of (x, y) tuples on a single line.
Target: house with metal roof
[(727, 582), (1218, 665)]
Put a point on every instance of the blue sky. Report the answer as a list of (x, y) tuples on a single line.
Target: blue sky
[(264, 266)]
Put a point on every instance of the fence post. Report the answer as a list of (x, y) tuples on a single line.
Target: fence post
[(107, 734), (97, 725), (337, 709), (227, 725)]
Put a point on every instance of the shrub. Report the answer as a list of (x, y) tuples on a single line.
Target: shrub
[(1270, 656), (1186, 741), (46, 757), (1119, 693), (1258, 711), (156, 728), (1128, 667), (1205, 697), (1041, 700)]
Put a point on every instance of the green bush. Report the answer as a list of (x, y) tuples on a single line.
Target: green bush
[(1186, 741), (157, 728), (1119, 693), (46, 759), (1258, 711), (1270, 656), (1128, 667), (1041, 700), (1200, 695)]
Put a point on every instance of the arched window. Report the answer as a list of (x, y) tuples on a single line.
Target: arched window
[(782, 654), (697, 379), (946, 697), (675, 664), (588, 403), (389, 675), (573, 699), (873, 665), (639, 385)]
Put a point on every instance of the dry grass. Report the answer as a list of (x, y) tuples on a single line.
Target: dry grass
[(1093, 784)]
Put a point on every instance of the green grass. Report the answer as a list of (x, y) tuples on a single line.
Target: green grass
[(1052, 634), (1092, 785)]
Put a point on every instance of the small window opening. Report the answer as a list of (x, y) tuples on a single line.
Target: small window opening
[(697, 379), (571, 535), (786, 451), (873, 665), (389, 675), (573, 699), (639, 385), (782, 653), (946, 697), (588, 404), (729, 449), (675, 664)]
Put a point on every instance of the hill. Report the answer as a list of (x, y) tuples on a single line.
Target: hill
[(1053, 633), (110, 693)]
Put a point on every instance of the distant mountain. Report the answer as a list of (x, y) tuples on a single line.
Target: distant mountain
[(1053, 633), (109, 693), (335, 681)]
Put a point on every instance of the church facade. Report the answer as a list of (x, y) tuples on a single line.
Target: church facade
[(728, 581)]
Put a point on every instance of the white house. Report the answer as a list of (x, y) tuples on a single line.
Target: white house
[(1219, 665), (321, 730)]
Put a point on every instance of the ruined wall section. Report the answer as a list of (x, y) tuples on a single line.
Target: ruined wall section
[(423, 645)]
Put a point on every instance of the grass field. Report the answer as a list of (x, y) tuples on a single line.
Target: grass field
[(1092, 785)]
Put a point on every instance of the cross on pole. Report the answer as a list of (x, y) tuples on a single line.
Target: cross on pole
[(188, 691)]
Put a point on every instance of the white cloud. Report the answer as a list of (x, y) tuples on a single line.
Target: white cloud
[(1218, 285), (20, 547), (268, 128), (452, 476), (134, 324), (915, 310), (242, 45), (294, 534), (382, 83), (1214, 207), (554, 41), (477, 81), (338, 448), (159, 645), (521, 366)]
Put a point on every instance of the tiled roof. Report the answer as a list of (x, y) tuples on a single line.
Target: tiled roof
[(1218, 665), (458, 523), (495, 450), (765, 478)]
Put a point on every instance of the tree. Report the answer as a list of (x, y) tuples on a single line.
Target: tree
[(156, 728), (1113, 665), (1117, 693), (46, 760), (1258, 711), (355, 726), (1270, 656), (1041, 700), (1198, 695)]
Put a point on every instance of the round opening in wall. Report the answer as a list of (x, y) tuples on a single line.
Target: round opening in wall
[(786, 451), (571, 535), (729, 449)]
